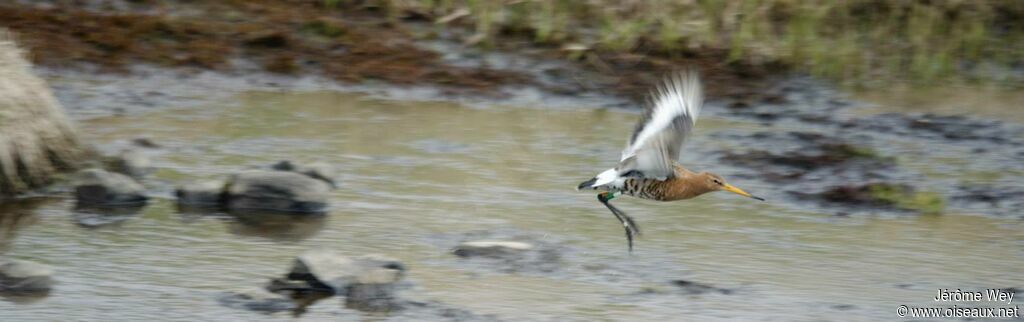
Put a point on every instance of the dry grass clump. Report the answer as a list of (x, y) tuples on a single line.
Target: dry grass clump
[(36, 138)]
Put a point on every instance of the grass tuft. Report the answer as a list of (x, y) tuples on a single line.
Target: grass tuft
[(921, 201), (856, 41)]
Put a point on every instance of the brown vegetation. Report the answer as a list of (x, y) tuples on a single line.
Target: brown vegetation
[(280, 36)]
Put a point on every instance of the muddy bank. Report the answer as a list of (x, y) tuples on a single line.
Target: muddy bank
[(281, 37), (351, 44)]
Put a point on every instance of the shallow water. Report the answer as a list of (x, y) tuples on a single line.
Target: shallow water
[(990, 101), (415, 177)]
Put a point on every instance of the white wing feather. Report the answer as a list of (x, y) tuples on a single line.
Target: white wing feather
[(658, 138)]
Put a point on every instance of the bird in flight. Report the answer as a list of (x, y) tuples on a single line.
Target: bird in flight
[(648, 168)]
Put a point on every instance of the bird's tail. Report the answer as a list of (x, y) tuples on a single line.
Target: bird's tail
[(586, 184), (605, 178)]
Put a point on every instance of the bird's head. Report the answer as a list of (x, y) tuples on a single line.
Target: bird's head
[(715, 182)]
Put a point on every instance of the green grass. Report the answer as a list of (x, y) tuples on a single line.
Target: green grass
[(857, 41), (325, 28), (921, 201)]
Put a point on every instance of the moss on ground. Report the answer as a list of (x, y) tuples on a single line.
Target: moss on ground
[(902, 197)]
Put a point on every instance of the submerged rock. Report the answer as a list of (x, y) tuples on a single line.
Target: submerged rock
[(208, 193), (276, 191), (696, 288), (508, 252), (145, 143), (97, 187), (339, 272), (367, 282), (19, 276), (491, 248), (257, 299), (132, 163)]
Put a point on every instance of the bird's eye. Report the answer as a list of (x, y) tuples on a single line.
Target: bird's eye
[(717, 182)]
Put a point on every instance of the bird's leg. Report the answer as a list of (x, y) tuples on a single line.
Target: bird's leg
[(627, 222)]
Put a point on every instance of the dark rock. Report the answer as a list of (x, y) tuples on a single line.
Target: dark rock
[(268, 40), (276, 191), (489, 248), (19, 276), (695, 288), (145, 143), (316, 170), (102, 188), (257, 300), (208, 193), (132, 163)]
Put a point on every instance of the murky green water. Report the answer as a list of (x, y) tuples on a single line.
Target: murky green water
[(415, 176)]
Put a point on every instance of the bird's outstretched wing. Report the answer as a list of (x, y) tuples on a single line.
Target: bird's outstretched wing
[(659, 136)]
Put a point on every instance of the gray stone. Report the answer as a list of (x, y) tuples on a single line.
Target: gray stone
[(367, 282), (207, 193), (317, 170), (276, 191), (132, 163), (18, 276), (99, 187), (257, 299), (491, 248), (339, 272)]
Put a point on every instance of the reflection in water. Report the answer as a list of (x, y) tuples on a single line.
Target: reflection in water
[(15, 215), (276, 226), (304, 300), (193, 214), (95, 217), (26, 298)]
